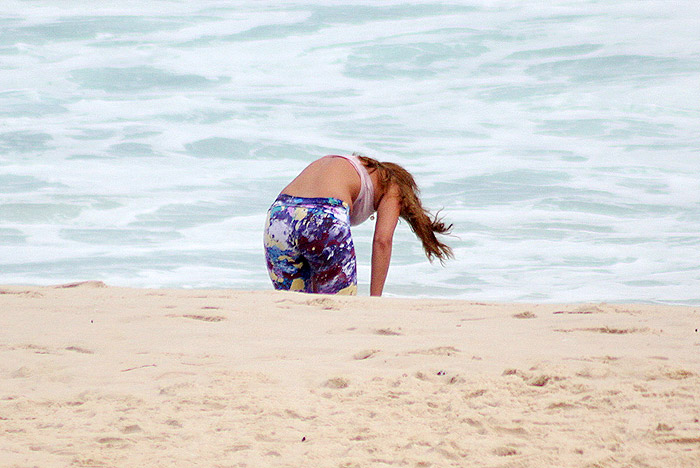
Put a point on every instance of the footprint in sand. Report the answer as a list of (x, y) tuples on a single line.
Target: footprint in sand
[(561, 405), (132, 429), (205, 318), (605, 329), (82, 284), (337, 383), (438, 351), (440, 376), (582, 310), (678, 374), (387, 332), (661, 427), (324, 303), (113, 442), (480, 429), (36, 349), (80, 350), (32, 294), (505, 451), (683, 440), (533, 380), (366, 354)]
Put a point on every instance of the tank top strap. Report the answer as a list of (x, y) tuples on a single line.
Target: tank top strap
[(363, 205)]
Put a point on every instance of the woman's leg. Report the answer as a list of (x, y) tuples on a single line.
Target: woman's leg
[(326, 243), (287, 267)]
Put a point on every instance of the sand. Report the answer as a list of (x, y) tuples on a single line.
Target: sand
[(97, 376)]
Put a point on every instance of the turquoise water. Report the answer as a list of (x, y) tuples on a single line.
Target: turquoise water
[(142, 142)]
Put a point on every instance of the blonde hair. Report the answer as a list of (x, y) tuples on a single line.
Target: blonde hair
[(423, 224)]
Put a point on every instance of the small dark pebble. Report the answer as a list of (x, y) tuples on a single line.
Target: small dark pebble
[(442, 372), (303, 439)]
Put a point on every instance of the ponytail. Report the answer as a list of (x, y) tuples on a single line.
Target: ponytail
[(423, 224)]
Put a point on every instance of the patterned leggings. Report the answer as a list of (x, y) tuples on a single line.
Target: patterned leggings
[(308, 246)]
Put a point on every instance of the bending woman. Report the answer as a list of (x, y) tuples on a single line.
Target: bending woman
[(308, 246)]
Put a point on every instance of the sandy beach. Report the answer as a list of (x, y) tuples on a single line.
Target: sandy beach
[(99, 376)]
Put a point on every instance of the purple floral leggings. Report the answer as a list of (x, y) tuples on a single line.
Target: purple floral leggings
[(308, 246)]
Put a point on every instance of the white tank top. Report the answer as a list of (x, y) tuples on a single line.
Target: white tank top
[(363, 205)]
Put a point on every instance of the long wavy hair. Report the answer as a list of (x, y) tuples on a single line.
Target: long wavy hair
[(423, 224)]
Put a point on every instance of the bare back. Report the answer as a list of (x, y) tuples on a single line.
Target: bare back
[(327, 177)]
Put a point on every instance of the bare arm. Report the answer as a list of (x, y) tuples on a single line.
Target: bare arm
[(387, 217)]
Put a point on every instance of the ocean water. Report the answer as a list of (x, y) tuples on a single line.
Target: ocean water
[(141, 143)]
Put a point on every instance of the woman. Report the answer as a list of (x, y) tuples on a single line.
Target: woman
[(308, 245)]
